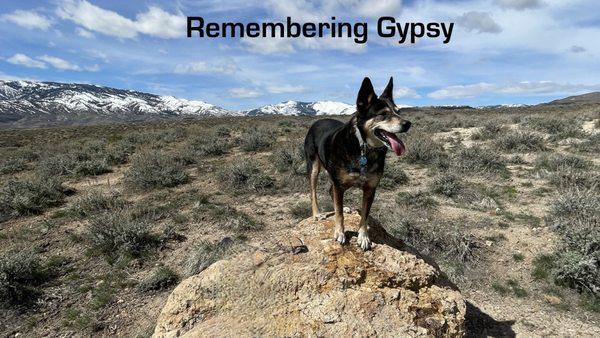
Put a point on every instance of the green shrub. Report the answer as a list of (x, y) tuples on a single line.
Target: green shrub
[(423, 150), (393, 176), (244, 176), (161, 278), (257, 139), (288, 160), (489, 131), (551, 125), (555, 162), (155, 169), (12, 165), (30, 196), (575, 216), (209, 145), (416, 200), (21, 273), (96, 201), (520, 141), (117, 233), (448, 185), (476, 160)]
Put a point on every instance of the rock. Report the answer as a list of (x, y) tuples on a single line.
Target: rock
[(329, 290)]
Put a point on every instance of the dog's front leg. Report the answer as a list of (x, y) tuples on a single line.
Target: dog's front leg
[(363, 231), (338, 206)]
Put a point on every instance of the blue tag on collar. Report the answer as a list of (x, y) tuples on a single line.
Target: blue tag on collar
[(362, 161)]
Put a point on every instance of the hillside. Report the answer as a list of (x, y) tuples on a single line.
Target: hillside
[(589, 98)]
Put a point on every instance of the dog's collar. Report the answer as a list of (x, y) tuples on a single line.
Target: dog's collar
[(362, 160)]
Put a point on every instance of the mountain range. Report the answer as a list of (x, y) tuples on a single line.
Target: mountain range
[(34, 104)]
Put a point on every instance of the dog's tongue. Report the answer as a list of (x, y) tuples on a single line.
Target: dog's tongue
[(395, 142)]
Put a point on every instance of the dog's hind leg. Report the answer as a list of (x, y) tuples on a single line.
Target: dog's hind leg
[(363, 231), (314, 179), (338, 206)]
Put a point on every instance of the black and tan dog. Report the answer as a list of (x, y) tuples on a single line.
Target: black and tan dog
[(353, 153)]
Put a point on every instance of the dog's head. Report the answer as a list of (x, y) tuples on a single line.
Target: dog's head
[(378, 117)]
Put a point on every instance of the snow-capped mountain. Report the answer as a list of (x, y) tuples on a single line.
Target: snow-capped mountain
[(303, 108), (30, 102)]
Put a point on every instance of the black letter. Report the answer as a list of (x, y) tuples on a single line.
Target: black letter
[(212, 30), (414, 35), (308, 30), (252, 30), (360, 34), (379, 26), (200, 28), (447, 34), (294, 25), (433, 30)]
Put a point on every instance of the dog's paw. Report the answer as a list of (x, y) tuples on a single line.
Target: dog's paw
[(339, 236), (364, 242), (347, 210)]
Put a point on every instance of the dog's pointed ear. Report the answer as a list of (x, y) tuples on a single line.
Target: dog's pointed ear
[(366, 94), (389, 89)]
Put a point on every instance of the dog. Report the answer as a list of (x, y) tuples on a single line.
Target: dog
[(353, 153)]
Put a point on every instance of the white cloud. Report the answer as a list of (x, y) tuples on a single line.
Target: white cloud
[(59, 63), (405, 92), (84, 33), (24, 60), (155, 22), (481, 22), (286, 89), (519, 4), (244, 93), (204, 67), (519, 88), (92, 68), (27, 19)]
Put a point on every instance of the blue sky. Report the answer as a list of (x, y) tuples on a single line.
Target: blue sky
[(502, 51)]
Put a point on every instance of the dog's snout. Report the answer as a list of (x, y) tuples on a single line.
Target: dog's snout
[(404, 126)]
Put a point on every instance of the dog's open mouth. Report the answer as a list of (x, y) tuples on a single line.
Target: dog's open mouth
[(391, 141)]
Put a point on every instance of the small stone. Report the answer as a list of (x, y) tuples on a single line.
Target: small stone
[(489, 243), (554, 300)]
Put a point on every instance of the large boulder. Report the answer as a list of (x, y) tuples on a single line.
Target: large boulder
[(322, 289)]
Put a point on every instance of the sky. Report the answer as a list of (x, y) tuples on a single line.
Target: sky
[(501, 51)]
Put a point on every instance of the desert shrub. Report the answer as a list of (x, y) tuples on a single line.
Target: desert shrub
[(222, 131), (521, 141), (393, 176), (56, 165), (155, 169), (244, 176), (206, 253), (423, 150), (161, 278), (91, 167), (209, 145), (257, 139), (555, 162), (418, 199), (590, 145), (566, 178), (550, 124), (117, 233), (446, 241), (574, 215), (448, 185), (12, 165), (21, 274), (490, 130), (288, 160), (96, 201), (470, 160), (30, 196)]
